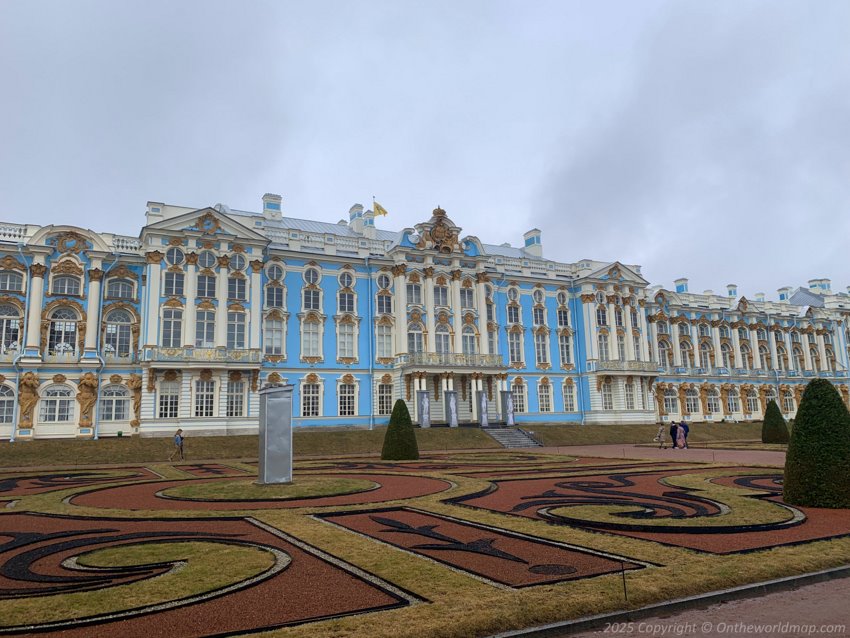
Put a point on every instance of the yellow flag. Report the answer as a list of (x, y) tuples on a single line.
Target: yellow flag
[(379, 210)]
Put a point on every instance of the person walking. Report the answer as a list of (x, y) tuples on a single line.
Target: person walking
[(674, 428), (680, 437), (178, 445), (686, 430)]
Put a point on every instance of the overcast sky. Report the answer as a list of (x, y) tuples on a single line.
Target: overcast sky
[(702, 139)]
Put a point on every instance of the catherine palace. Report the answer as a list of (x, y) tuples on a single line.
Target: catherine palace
[(106, 334)]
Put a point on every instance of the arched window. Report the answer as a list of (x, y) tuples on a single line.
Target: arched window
[(704, 330), (10, 328), (115, 403), (569, 398), (621, 347), (7, 404), (618, 316), (752, 401), (787, 401), (692, 405), (671, 401), (469, 341), (57, 405), (601, 316), (116, 339), (781, 358), (830, 360), (602, 342), (684, 329), (795, 337), (544, 397), (724, 332), (518, 394), (62, 338), (66, 285), (769, 395), (764, 358), (661, 326), (746, 357), (442, 340), (761, 334), (119, 289), (11, 281), (687, 354), (607, 395), (813, 353), (727, 355), (713, 401), (415, 338), (799, 358)]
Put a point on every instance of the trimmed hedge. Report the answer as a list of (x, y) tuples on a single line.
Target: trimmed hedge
[(400, 439), (817, 465), (774, 429)]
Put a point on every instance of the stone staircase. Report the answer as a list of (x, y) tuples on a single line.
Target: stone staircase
[(511, 437)]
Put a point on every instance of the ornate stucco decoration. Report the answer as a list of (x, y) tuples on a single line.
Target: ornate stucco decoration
[(134, 384), (67, 267), (28, 398), (71, 242), (439, 233), (10, 263), (86, 397), (45, 321), (154, 257), (208, 224)]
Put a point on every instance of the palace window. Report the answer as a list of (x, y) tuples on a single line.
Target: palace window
[(119, 289), (62, 338), (636, 346), (414, 294), (537, 296), (237, 262), (726, 354), (169, 399), (57, 405), (469, 341), (173, 284), (206, 286), (671, 401), (206, 259), (692, 401), (385, 304), (275, 272), (492, 342), (310, 339), (602, 342), (236, 288), (466, 298), (274, 296), (704, 330), (665, 356), (752, 402), (704, 356), (346, 399), (311, 299), (66, 285), (384, 281), (441, 296), (384, 341), (346, 279), (634, 318), (687, 353), (724, 332), (513, 294), (345, 302), (713, 401), (764, 358), (565, 349), (746, 356), (174, 257), (787, 401), (607, 395), (518, 393), (761, 334), (684, 329), (11, 281), (569, 398), (513, 314), (781, 358), (491, 311), (562, 298), (618, 316), (515, 347), (117, 334), (621, 347), (563, 318), (273, 337), (115, 403), (10, 328), (310, 399), (601, 316), (235, 398), (733, 402), (205, 329), (544, 397), (661, 326), (311, 276), (629, 394), (442, 342), (7, 404), (235, 330), (415, 340), (345, 341), (385, 399), (204, 398), (538, 316)]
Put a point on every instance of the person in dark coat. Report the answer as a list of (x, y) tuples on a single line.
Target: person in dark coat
[(673, 431)]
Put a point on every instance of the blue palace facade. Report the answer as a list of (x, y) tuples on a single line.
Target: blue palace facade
[(179, 327)]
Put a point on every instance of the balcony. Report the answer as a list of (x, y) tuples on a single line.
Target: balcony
[(450, 360), (623, 366), (201, 355)]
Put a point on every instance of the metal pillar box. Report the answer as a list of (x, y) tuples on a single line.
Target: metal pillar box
[(275, 434)]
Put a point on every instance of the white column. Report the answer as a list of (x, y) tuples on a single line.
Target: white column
[(789, 348), (154, 277), (771, 346), (430, 319), (590, 337), (807, 355), (718, 353), (257, 305), (415, 396), (400, 309), (221, 309), (644, 331), (736, 347), (473, 389), (674, 344), (653, 338), (191, 293), (93, 306), (824, 364), (35, 299), (630, 340), (458, 317), (481, 296), (754, 346)]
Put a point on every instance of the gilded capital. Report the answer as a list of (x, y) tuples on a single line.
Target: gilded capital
[(257, 266), (398, 270), (95, 274), (38, 270), (192, 258), (456, 275), (429, 271), (154, 257), (223, 261)]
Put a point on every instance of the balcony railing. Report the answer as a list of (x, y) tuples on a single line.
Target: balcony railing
[(188, 355), (451, 360), (625, 366)]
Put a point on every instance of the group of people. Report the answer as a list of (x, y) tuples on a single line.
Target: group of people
[(678, 435)]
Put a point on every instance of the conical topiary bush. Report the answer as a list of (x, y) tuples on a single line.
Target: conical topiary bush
[(817, 465), (400, 439), (774, 429)]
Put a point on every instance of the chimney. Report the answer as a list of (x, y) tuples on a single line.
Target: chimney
[(731, 290), (681, 285), (153, 213), (759, 296), (813, 284), (355, 218), (271, 206), (784, 294), (533, 243), (826, 285)]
